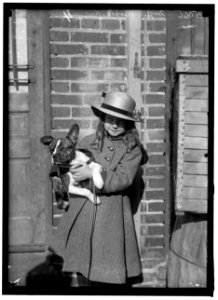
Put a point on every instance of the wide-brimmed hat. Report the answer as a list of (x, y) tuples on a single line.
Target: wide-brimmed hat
[(117, 104)]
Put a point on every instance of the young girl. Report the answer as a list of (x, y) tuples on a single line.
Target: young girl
[(99, 241)]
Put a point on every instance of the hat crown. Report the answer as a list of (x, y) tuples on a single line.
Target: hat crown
[(120, 101)]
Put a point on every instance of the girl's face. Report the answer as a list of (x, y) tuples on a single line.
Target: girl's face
[(114, 126)]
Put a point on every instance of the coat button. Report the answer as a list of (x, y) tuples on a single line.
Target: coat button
[(108, 158)]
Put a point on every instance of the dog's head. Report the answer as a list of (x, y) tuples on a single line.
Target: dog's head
[(62, 149)]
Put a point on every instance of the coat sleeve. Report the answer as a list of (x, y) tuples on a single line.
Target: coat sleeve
[(122, 176)]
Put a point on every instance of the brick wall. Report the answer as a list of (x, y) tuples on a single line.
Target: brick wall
[(88, 53), (88, 57), (153, 217)]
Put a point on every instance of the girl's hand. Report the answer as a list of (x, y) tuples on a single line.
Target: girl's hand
[(80, 171)]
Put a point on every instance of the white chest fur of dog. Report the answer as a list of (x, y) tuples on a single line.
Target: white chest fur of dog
[(96, 169)]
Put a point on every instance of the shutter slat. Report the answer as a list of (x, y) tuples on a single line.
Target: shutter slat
[(195, 181), (196, 131), (195, 168)]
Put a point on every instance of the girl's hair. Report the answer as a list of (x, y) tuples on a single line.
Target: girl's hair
[(130, 138)]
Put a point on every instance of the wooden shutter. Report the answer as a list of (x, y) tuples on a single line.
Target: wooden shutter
[(191, 184)]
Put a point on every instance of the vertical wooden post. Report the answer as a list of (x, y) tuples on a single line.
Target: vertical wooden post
[(39, 93), (134, 73)]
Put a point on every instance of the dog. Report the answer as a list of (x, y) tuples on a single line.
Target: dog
[(63, 156)]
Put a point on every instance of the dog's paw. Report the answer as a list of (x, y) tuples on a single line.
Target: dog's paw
[(94, 199)]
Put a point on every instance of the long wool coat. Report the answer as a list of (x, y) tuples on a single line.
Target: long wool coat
[(112, 255)]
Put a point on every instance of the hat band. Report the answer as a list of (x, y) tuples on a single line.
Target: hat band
[(117, 110)]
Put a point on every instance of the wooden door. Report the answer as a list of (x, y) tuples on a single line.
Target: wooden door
[(28, 102), (189, 101), (187, 38)]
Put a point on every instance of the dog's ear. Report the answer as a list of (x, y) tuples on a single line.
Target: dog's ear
[(73, 132), (46, 140)]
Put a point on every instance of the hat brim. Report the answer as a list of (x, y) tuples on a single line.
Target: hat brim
[(98, 111)]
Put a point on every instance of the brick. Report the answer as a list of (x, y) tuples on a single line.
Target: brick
[(60, 87), (155, 99), (156, 230), (88, 87), (90, 37), (91, 62), (152, 263), (92, 99), (157, 63), (68, 49), (110, 24), (99, 75), (59, 62), (69, 75), (81, 111), (118, 38), (155, 252), (156, 50), (155, 75), (157, 37), (157, 87), (155, 123), (156, 159), (156, 183), (142, 36), (156, 111), (90, 23), (155, 147), (60, 112), (112, 75), (156, 206), (67, 99), (155, 171), (59, 36), (156, 25), (108, 50), (65, 124), (64, 23), (155, 195), (119, 62), (142, 52), (156, 134), (153, 242), (152, 218)]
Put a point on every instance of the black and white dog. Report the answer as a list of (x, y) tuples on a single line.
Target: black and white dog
[(64, 155)]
